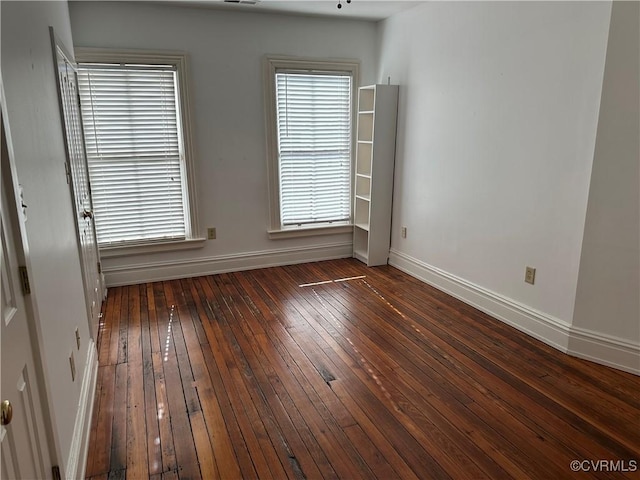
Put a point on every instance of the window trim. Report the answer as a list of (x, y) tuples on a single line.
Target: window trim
[(273, 63), (193, 237)]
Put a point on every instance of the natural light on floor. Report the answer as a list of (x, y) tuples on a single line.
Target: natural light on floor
[(168, 340), (332, 281), (336, 322)]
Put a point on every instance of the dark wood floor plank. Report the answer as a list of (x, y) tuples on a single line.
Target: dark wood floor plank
[(181, 397), (336, 370), (195, 309), (310, 369), (170, 475), (523, 361), (204, 448), (123, 331), (137, 434), (329, 410), (215, 391), (608, 381), (301, 453), (167, 448), (369, 358), (450, 415), (266, 446), (100, 439), (112, 326), (103, 341), (162, 319), (91, 448), (245, 429), (212, 438), (459, 339), (148, 326), (184, 446), (371, 454), (448, 454), (231, 395), (286, 303), (530, 433), (152, 317), (103, 476), (118, 442), (247, 409), (117, 474)]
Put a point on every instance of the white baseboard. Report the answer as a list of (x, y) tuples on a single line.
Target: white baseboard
[(546, 328), (599, 348), (170, 270), (611, 351), (77, 462)]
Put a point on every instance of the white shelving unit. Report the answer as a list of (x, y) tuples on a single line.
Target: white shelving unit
[(375, 153)]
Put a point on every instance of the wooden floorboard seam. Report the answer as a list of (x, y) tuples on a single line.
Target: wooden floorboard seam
[(335, 370)]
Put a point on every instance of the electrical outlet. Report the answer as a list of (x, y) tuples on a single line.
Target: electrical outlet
[(403, 232), (211, 233), (78, 339), (530, 275)]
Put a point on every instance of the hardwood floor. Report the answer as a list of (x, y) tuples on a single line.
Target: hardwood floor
[(336, 370)]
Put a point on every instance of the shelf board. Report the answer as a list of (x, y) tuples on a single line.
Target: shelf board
[(366, 198), (364, 175), (370, 142), (362, 226), (365, 112)]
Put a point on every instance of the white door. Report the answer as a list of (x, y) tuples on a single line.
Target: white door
[(23, 444), (81, 190)]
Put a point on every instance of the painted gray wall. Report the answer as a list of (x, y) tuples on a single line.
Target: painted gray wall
[(497, 119), (608, 296), (226, 50), (36, 130)]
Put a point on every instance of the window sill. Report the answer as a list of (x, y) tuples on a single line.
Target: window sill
[(141, 249), (306, 231)]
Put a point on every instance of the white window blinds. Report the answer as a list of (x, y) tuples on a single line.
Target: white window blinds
[(314, 147), (134, 150)]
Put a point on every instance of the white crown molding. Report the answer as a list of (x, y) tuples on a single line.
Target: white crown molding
[(586, 344)]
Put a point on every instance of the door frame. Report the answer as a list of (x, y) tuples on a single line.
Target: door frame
[(16, 218), (56, 44)]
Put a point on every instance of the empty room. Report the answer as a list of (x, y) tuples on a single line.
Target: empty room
[(303, 239)]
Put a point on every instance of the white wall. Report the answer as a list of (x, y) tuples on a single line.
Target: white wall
[(34, 120), (496, 136), (226, 49), (608, 298)]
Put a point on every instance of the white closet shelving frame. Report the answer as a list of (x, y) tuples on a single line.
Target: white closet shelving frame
[(373, 184)]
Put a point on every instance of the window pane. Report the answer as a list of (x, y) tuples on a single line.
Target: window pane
[(134, 151), (314, 147)]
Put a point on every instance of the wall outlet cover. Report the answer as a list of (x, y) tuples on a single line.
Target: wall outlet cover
[(530, 275)]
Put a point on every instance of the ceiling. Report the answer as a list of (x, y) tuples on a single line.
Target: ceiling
[(361, 9)]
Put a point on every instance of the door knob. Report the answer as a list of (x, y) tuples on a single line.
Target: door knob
[(87, 214), (6, 412)]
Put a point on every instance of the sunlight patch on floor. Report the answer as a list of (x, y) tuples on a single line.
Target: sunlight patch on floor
[(338, 280), (363, 361), (413, 325), (168, 340)]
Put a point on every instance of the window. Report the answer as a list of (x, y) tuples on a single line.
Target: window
[(137, 142), (310, 117)]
